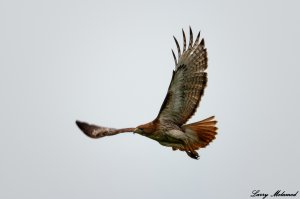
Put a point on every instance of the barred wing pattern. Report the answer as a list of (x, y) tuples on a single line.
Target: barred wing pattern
[(187, 84)]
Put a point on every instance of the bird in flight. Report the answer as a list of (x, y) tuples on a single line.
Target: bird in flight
[(187, 86)]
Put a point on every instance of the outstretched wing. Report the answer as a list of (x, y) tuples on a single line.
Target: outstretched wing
[(187, 84), (94, 131)]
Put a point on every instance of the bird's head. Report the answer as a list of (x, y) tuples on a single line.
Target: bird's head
[(145, 128)]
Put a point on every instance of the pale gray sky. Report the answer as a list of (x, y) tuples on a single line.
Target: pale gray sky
[(110, 63)]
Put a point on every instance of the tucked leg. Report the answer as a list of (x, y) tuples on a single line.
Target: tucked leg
[(193, 154)]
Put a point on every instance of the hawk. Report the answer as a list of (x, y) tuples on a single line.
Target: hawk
[(187, 86)]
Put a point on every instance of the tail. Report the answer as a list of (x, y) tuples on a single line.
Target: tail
[(205, 131)]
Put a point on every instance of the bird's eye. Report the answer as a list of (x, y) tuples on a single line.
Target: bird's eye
[(141, 129)]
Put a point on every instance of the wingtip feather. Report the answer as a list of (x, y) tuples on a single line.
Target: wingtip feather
[(178, 47), (191, 38), (174, 56), (184, 41), (202, 43), (197, 39)]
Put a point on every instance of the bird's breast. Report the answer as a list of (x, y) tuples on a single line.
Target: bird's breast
[(164, 137)]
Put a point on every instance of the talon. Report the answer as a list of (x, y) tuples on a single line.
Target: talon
[(193, 154)]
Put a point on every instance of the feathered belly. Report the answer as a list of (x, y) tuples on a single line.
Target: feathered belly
[(173, 138)]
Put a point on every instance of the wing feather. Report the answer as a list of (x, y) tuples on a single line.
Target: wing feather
[(178, 47), (188, 82), (184, 41)]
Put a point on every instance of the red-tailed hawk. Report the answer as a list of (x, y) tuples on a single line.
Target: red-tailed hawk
[(185, 90)]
